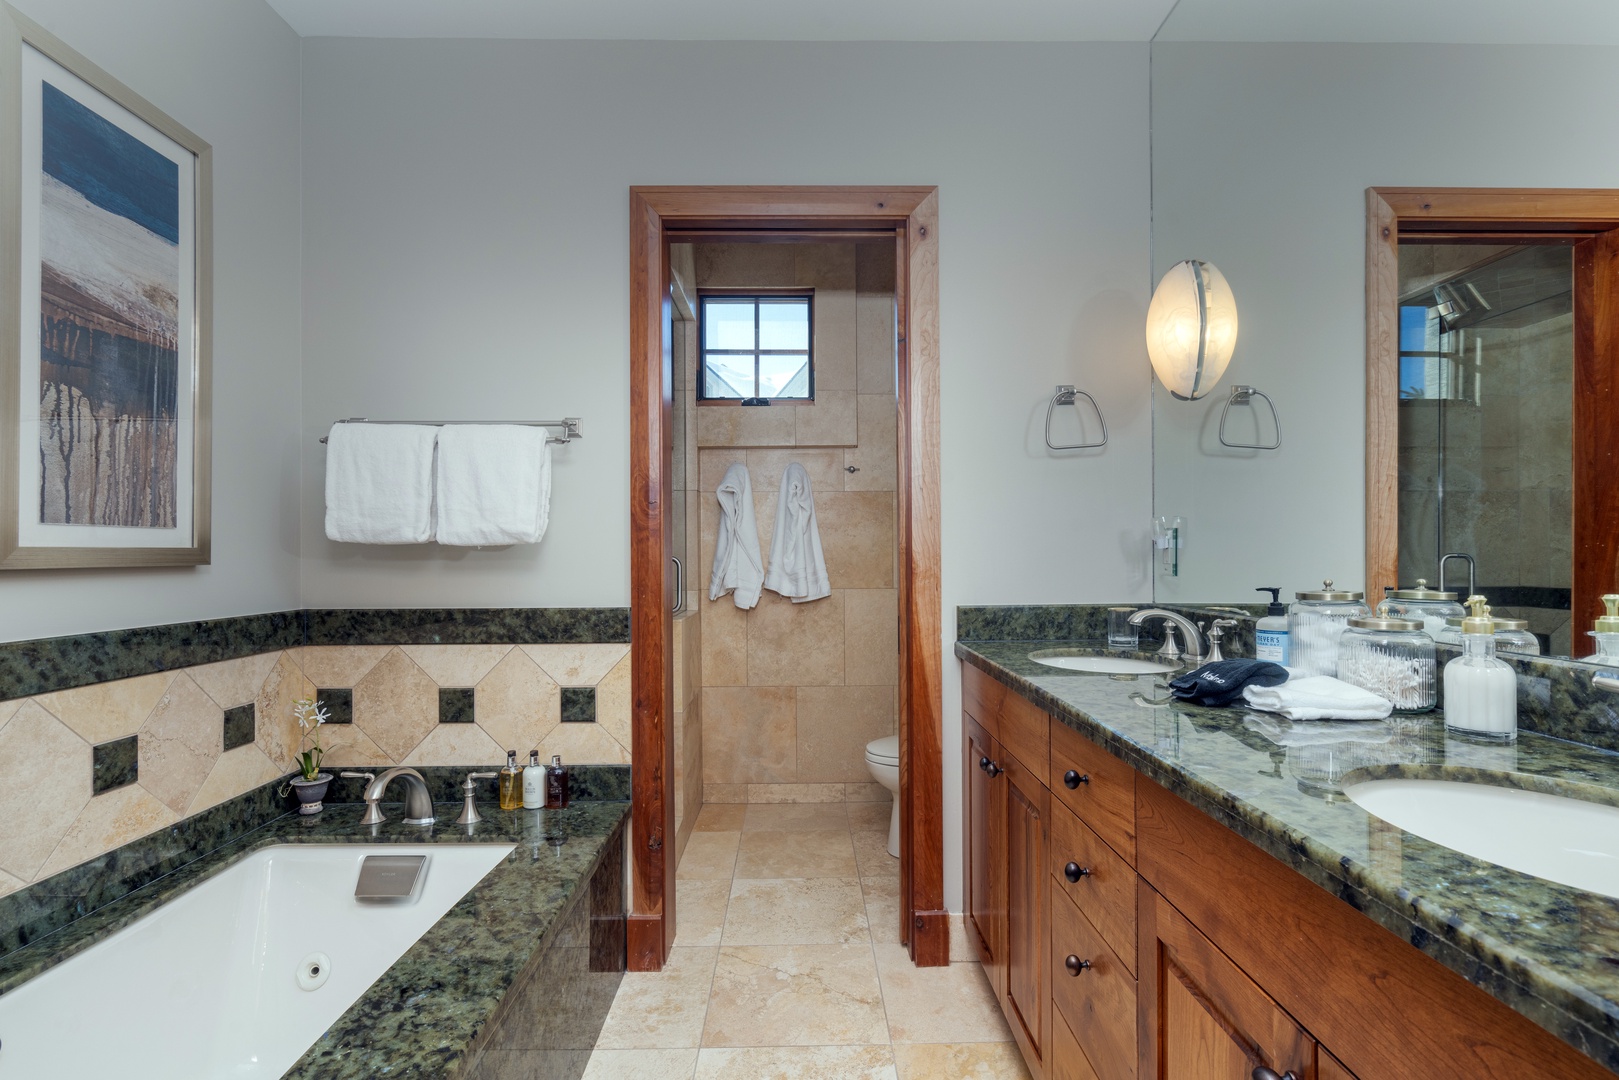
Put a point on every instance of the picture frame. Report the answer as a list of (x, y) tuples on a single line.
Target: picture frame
[(106, 303)]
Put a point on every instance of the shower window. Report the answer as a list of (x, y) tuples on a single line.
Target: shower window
[(756, 346)]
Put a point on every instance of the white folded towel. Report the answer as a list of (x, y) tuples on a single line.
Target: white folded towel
[(797, 564), (1284, 732), (1318, 697), (379, 483), (494, 484), (738, 567)]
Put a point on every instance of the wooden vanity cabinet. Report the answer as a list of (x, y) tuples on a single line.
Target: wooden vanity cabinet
[(1129, 936)]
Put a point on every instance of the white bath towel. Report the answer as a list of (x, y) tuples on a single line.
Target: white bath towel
[(494, 484), (1318, 697), (797, 565), (738, 567), (379, 483)]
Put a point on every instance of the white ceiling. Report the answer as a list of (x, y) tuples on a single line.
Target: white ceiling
[(732, 20), (1551, 22)]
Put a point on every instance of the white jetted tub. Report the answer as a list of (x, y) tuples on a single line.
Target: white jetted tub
[(236, 977)]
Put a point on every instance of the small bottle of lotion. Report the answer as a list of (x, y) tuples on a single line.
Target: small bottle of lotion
[(1270, 633), (534, 781), (1481, 691), (556, 784), (511, 783)]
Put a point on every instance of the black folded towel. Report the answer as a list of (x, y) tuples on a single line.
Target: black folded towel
[(1221, 682)]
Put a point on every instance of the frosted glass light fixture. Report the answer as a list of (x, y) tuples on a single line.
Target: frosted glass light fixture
[(1191, 328)]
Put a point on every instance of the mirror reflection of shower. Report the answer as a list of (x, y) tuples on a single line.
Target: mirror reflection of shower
[(1486, 425)]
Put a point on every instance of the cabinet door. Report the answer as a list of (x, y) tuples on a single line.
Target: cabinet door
[(1027, 998), (1203, 1018), (1329, 1067), (986, 853)]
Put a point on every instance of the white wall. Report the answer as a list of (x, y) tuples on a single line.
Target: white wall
[(1261, 156), (229, 71), (466, 256)]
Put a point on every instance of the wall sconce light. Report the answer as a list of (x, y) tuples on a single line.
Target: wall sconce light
[(1191, 328)]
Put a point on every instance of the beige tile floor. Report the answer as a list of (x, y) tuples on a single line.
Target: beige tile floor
[(787, 966)]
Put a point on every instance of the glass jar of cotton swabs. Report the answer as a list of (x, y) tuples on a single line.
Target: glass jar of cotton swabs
[(1393, 658)]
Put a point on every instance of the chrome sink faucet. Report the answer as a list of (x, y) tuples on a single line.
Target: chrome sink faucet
[(418, 803), (1171, 650)]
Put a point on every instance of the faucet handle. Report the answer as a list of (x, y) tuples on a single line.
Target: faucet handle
[(366, 776), (373, 811), (1216, 634), (469, 805)]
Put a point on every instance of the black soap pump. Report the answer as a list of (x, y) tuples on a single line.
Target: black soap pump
[(1270, 633)]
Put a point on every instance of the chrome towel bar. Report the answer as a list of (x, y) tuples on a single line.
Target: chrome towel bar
[(569, 425)]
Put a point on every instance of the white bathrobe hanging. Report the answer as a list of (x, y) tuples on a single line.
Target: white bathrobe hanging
[(797, 565), (738, 568)]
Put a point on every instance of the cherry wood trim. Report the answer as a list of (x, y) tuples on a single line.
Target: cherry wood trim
[(658, 215), (1539, 214)]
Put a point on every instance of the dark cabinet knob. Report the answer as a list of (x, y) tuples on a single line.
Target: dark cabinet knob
[(983, 764), (1072, 779), (1073, 872), (1263, 1073), (994, 770), (1075, 965)]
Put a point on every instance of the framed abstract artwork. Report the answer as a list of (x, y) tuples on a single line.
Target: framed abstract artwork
[(104, 345)]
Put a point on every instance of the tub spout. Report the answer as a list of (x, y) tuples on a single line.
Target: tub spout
[(418, 803)]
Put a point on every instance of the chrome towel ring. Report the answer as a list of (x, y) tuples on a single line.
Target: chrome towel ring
[(1066, 395), (1244, 395)]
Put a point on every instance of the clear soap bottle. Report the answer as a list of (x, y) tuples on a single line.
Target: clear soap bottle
[(511, 783), (1481, 691)]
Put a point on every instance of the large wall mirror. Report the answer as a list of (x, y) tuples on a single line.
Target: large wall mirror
[(1449, 391)]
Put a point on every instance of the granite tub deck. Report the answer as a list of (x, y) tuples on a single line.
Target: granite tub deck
[(1549, 951), (423, 1017)]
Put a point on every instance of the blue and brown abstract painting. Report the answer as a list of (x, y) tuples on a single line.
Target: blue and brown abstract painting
[(109, 322)]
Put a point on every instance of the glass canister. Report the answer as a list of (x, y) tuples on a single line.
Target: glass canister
[(1315, 621), (1512, 635), (1393, 658), (1428, 606)]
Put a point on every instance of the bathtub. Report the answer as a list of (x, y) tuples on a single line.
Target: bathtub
[(236, 977)]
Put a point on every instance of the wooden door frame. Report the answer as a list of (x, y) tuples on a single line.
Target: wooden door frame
[(912, 212), (1572, 211)]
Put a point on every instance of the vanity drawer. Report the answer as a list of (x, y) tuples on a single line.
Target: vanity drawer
[(1096, 786), (981, 699), (1025, 727), (1098, 1003), (1103, 886), (1068, 1061)]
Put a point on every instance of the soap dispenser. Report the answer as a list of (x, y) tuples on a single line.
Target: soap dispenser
[(511, 783), (534, 781), (1481, 691), (1607, 630), (1270, 633), (556, 784)]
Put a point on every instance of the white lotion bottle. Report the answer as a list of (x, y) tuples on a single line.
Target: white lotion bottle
[(1481, 691), (1270, 633), (534, 781)]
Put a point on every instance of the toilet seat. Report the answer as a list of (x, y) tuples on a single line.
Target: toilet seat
[(884, 751)]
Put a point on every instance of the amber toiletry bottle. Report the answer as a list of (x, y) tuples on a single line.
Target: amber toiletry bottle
[(556, 784), (511, 783)]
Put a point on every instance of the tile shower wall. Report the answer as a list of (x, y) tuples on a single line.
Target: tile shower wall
[(64, 802), (791, 693)]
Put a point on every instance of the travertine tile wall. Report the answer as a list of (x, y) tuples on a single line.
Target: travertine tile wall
[(791, 693), (54, 820)]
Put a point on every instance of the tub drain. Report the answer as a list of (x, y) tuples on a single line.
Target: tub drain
[(313, 971)]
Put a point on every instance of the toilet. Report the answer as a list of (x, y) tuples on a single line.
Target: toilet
[(882, 758)]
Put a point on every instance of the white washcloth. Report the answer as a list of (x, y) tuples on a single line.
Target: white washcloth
[(738, 567), (1284, 732), (494, 484), (797, 564), (1318, 697), (379, 483)]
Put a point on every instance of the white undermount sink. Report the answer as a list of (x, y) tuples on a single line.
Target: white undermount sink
[(1564, 840), (1103, 665)]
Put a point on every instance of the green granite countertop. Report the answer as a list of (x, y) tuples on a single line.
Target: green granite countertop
[(419, 1019), (1549, 951)]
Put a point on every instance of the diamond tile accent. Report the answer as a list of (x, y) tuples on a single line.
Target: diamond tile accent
[(456, 704), (114, 764), (241, 725), (339, 703), (578, 704)]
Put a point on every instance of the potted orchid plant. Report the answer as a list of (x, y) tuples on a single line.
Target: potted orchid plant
[(311, 784)]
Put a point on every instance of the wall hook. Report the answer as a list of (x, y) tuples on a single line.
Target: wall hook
[(1067, 395), (1244, 395)]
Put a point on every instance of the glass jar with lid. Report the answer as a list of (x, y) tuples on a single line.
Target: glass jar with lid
[(1315, 621), (1431, 607), (1512, 635), (1393, 658)]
